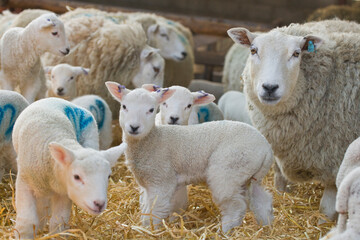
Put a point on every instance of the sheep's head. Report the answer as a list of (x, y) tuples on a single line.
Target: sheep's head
[(52, 37), (62, 79), (170, 42), (152, 67), (275, 60), (85, 173), (176, 110), (138, 107)]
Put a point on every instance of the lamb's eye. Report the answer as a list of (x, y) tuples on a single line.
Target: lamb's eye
[(71, 78), (189, 106), (124, 107), (164, 103), (77, 177), (165, 36), (54, 33), (151, 110), (296, 54), (253, 50)]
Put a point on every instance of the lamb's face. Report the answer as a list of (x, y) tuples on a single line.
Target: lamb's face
[(62, 79), (52, 37), (170, 42), (274, 64), (152, 67)]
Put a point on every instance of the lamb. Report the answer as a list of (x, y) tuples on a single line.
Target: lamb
[(347, 205), (234, 107), (11, 105), (102, 114), (111, 51), (58, 160), (185, 107), (302, 91), (231, 157), (215, 88), (21, 49), (62, 81)]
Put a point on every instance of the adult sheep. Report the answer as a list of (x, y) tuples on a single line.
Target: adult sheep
[(110, 50), (303, 93)]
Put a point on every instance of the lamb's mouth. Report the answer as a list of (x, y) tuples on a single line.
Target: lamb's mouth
[(93, 211)]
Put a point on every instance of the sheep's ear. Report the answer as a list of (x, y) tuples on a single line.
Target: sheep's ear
[(147, 53), (113, 154), (202, 98), (48, 69), (61, 154), (46, 22), (118, 91), (311, 43), (242, 36), (81, 70), (151, 87), (153, 28), (162, 94)]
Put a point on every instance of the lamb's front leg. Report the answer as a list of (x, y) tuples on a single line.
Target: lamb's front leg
[(27, 221), (327, 203), (180, 199), (30, 91), (60, 213)]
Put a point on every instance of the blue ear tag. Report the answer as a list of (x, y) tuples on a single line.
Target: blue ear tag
[(311, 46)]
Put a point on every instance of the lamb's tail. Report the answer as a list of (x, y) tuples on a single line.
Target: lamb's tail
[(261, 203)]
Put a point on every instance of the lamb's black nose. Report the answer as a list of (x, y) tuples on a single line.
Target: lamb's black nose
[(174, 120), (134, 129)]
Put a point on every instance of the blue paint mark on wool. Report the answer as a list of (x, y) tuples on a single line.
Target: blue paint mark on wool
[(3, 110), (79, 119), (311, 46), (183, 39), (203, 114), (99, 112)]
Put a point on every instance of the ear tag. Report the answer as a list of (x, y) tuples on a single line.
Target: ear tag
[(311, 47), (120, 87), (204, 94)]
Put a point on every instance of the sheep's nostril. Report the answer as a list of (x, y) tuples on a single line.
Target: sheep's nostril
[(270, 88), (174, 120), (67, 50), (134, 129), (99, 204), (60, 89), (184, 54)]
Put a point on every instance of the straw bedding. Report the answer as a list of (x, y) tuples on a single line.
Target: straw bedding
[(296, 214)]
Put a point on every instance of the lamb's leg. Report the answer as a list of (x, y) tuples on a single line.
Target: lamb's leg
[(60, 213), (43, 207), (5, 84), (180, 199), (30, 91), (27, 221), (280, 181), (327, 203), (156, 204)]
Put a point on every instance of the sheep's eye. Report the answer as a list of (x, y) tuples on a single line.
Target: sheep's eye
[(124, 107), (151, 110), (76, 177), (296, 54), (54, 33), (52, 76), (165, 36), (189, 106), (164, 103), (71, 78), (253, 50)]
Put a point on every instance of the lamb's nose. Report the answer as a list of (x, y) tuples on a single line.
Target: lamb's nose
[(60, 90), (134, 129), (99, 205), (67, 50), (174, 120), (270, 88)]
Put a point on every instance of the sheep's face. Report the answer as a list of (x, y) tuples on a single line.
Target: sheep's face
[(152, 67), (138, 107), (85, 173), (176, 110), (274, 62), (62, 79), (170, 42), (52, 37)]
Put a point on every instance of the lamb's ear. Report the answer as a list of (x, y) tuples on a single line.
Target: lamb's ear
[(202, 98), (117, 90), (113, 154), (46, 22), (61, 154), (153, 28), (48, 69), (242, 36), (163, 94), (151, 87), (147, 53), (311, 43), (81, 70)]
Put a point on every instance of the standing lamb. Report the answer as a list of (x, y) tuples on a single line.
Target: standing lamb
[(62, 81), (234, 107), (21, 49), (102, 114), (11, 105), (58, 160), (302, 91), (231, 157)]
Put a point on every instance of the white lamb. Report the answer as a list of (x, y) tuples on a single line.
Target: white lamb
[(303, 95), (58, 162), (102, 114), (11, 105), (62, 81), (21, 49), (186, 108), (347, 205), (234, 107), (231, 157)]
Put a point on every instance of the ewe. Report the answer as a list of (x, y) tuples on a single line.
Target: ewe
[(231, 157)]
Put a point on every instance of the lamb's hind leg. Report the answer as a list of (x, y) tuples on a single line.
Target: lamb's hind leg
[(327, 203)]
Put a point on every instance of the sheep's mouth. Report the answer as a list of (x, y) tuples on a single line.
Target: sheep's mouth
[(92, 211), (180, 58), (271, 100), (133, 133), (60, 93), (171, 123)]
